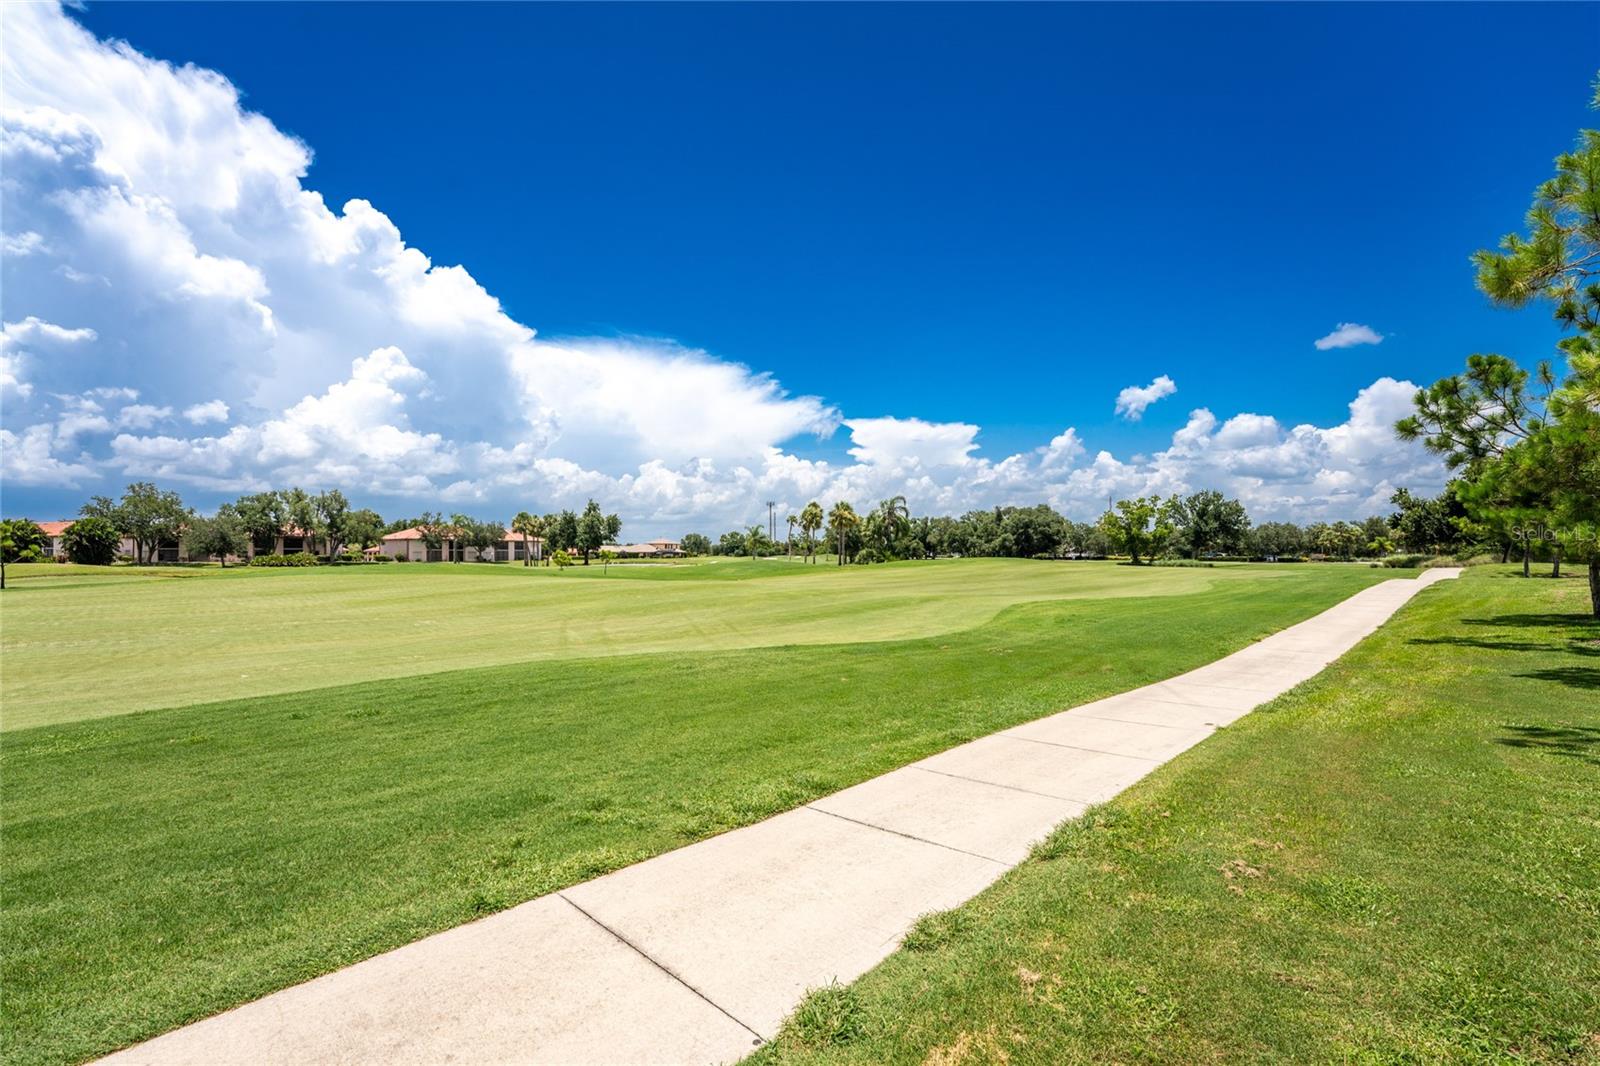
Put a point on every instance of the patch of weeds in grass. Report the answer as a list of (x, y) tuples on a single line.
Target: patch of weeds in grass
[(936, 929), (58, 744), (481, 903), (1350, 898), (1080, 834), (830, 1016)]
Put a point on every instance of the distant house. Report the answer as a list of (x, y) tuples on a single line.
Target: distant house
[(292, 541), (409, 544), (651, 549), (55, 539), (55, 545)]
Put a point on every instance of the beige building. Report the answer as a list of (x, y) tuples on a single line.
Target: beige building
[(410, 545)]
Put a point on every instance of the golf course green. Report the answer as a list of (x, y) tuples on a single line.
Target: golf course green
[(329, 763)]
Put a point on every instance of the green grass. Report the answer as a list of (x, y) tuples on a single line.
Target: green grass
[(83, 642), (1396, 862), (165, 865)]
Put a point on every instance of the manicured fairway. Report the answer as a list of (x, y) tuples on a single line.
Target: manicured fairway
[(84, 644), (165, 865), (1397, 862)]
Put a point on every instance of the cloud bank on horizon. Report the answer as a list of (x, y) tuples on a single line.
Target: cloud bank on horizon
[(180, 307)]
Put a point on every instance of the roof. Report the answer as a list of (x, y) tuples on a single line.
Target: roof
[(663, 543), (55, 529)]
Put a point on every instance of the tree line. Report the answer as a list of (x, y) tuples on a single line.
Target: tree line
[(151, 519), (1205, 524)]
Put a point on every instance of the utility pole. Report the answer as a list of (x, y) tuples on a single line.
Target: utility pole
[(772, 521)]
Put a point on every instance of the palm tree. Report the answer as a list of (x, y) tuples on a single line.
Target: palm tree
[(531, 527), (789, 544), (810, 522), (755, 540), (841, 520), (895, 511)]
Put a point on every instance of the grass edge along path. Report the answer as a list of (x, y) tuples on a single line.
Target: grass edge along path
[(1396, 861), (166, 865)]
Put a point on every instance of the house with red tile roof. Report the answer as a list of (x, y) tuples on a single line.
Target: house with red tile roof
[(409, 544)]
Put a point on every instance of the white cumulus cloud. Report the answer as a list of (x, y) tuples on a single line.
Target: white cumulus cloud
[(1132, 401), (210, 411), (1348, 335)]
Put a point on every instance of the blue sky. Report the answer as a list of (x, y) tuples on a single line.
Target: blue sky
[(989, 215)]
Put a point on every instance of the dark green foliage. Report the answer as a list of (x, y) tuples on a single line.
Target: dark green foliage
[(92, 541), (23, 541), (221, 536), (297, 559)]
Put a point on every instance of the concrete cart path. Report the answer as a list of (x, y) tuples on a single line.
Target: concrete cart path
[(697, 955)]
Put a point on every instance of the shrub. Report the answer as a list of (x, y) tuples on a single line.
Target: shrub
[(297, 559), (1405, 561), (93, 541)]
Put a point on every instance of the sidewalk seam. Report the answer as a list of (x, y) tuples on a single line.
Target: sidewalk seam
[(652, 960), (909, 836)]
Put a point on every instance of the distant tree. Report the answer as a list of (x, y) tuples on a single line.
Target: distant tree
[(364, 528), (696, 544), (21, 541), (981, 533), (606, 556), (300, 514), (1276, 540), (810, 521), (482, 537), (1207, 522), (613, 529), (562, 530), (333, 514), (530, 527), (1141, 527), (920, 537), (843, 522), (150, 517), (731, 543), (433, 529), (263, 515), (221, 535), (788, 544), (885, 525), (1030, 531), (462, 534), (756, 542), (1426, 524), (24, 541), (102, 507), (93, 541), (592, 529)]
